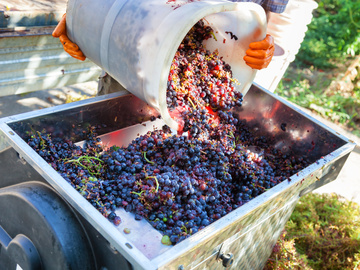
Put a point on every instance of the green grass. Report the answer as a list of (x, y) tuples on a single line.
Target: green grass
[(331, 42), (333, 34), (323, 233), (342, 108)]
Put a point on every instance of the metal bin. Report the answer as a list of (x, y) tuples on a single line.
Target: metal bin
[(47, 224)]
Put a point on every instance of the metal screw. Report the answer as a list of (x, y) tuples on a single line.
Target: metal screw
[(227, 259)]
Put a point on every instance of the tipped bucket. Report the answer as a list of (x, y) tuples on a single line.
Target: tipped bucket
[(135, 41)]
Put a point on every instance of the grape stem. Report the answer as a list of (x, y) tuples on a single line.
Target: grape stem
[(189, 99), (184, 228), (212, 33), (89, 159), (156, 181), (137, 193), (148, 161), (42, 141)]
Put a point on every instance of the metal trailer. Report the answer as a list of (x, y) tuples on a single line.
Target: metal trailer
[(30, 58), (47, 224)]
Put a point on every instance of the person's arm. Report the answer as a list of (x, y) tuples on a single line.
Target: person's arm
[(69, 47)]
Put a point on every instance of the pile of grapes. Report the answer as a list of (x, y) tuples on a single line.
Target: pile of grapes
[(179, 183), (200, 83)]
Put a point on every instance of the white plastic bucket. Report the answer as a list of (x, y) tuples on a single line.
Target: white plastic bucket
[(135, 40)]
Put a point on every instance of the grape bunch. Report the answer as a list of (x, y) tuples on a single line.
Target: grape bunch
[(179, 183)]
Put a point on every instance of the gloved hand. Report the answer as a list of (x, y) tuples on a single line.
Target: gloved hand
[(260, 53), (69, 47)]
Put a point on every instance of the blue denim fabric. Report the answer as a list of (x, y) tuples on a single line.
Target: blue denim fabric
[(276, 6)]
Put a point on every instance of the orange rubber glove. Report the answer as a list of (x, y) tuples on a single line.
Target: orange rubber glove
[(260, 53), (69, 47)]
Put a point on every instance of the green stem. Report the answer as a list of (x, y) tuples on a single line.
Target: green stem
[(84, 157), (137, 193), (89, 159), (157, 183), (42, 141), (192, 104), (148, 161), (212, 33)]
